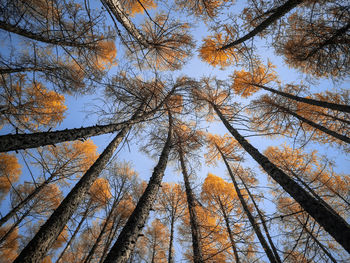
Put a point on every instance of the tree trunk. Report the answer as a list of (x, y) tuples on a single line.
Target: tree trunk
[(277, 14), (40, 36), (112, 233), (338, 228), (46, 236), (102, 232), (171, 240), (85, 215), (251, 218), (263, 222), (123, 247), (24, 201), (323, 104), (229, 231), (313, 124), (118, 11), (191, 203)]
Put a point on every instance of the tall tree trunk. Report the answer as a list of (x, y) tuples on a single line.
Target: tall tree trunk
[(313, 124), (13, 142), (191, 204), (323, 104), (24, 201), (76, 231), (229, 231), (123, 247), (112, 233), (40, 36), (102, 232), (171, 240), (277, 14), (338, 228), (46, 236), (263, 222), (118, 11), (251, 218)]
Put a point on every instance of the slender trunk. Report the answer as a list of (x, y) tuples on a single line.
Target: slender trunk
[(102, 232), (277, 14), (22, 69), (40, 37), (195, 230), (229, 231), (263, 222), (314, 125), (329, 255), (46, 236), (332, 40), (323, 104), (171, 240), (24, 201), (338, 228), (123, 247), (13, 227), (76, 231), (251, 218), (118, 11), (111, 235), (13, 142)]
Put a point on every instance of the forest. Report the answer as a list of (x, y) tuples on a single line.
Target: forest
[(154, 131)]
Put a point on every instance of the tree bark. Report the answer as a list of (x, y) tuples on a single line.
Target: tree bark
[(313, 124), (171, 240), (123, 247), (263, 222), (277, 14), (46, 236), (195, 230), (323, 104), (338, 228), (118, 11), (40, 37), (229, 231), (251, 218)]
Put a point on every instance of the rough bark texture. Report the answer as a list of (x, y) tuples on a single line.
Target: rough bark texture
[(251, 218), (315, 125), (323, 104), (191, 203), (338, 228), (229, 231), (171, 240), (123, 247), (118, 11), (277, 14), (40, 37), (37, 248)]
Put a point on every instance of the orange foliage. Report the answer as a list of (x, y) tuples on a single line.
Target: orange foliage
[(260, 75), (211, 53), (10, 170), (106, 54), (134, 7), (100, 191), (8, 249)]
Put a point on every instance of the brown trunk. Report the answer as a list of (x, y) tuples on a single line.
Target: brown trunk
[(191, 204), (263, 222), (170, 251), (277, 14), (338, 228), (40, 37), (123, 247), (229, 231), (313, 124), (46, 236), (118, 11), (251, 218), (323, 104), (85, 215), (112, 233)]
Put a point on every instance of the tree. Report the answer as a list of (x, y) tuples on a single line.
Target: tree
[(10, 170)]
